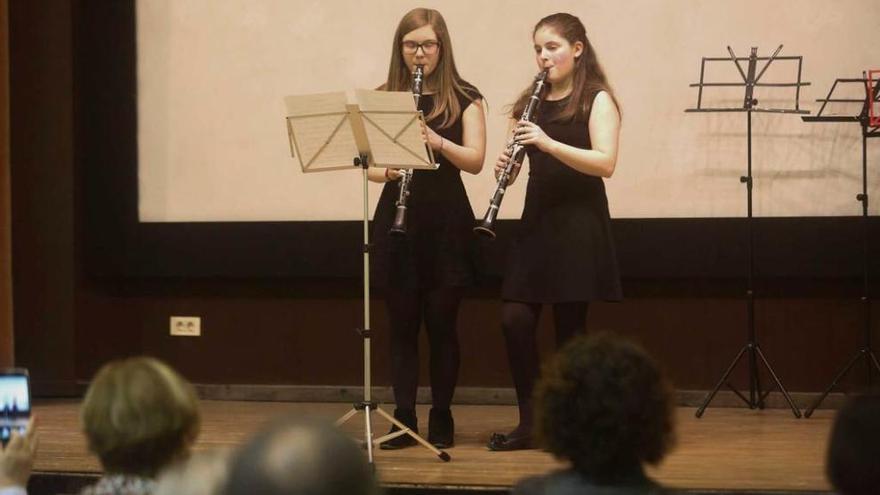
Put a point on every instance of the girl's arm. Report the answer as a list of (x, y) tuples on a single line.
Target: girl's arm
[(379, 174), (604, 130), (469, 155)]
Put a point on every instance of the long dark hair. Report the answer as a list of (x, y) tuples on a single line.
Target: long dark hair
[(589, 78), (448, 82)]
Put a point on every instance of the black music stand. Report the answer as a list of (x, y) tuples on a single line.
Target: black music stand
[(870, 129), (750, 80)]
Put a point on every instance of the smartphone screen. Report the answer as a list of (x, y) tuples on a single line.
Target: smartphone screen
[(15, 403)]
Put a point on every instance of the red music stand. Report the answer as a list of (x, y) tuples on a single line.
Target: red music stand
[(873, 103)]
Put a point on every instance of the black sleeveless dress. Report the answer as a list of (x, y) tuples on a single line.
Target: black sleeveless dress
[(563, 251), (439, 249)]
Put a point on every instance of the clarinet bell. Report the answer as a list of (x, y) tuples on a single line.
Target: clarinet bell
[(485, 231), (398, 228)]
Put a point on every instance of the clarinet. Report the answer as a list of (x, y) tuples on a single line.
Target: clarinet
[(516, 152), (398, 228)]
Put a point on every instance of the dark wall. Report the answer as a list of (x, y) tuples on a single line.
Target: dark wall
[(42, 173), (279, 301), (6, 341), (258, 333)]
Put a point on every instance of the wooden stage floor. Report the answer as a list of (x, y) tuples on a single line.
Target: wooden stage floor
[(728, 449)]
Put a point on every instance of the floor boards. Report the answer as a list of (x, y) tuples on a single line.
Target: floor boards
[(728, 449)]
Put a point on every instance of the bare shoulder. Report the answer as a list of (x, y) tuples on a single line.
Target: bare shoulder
[(475, 105), (603, 101), (604, 107)]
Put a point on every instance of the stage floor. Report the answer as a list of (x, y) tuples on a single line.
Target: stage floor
[(728, 449)]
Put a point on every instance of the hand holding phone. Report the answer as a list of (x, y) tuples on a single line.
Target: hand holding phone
[(15, 402), (17, 457)]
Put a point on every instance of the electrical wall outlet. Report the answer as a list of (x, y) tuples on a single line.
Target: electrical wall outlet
[(186, 326)]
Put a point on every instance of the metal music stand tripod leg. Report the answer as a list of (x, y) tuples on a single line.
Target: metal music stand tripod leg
[(368, 405), (751, 350), (866, 352), (318, 137)]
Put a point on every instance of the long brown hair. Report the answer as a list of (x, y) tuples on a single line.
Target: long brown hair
[(589, 78), (448, 82)]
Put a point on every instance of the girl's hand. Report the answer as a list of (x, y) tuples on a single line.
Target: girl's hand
[(501, 164), (434, 140), (531, 133), (392, 174)]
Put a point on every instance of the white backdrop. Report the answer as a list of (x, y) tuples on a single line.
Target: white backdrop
[(212, 75)]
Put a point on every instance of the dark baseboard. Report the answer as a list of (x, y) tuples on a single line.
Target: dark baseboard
[(468, 395), (57, 388), (463, 395)]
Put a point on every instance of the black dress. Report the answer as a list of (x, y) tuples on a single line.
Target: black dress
[(563, 251), (439, 248)]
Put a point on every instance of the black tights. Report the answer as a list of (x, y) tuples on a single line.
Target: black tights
[(519, 321), (407, 308)]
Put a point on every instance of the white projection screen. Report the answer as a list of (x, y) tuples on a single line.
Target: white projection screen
[(212, 75)]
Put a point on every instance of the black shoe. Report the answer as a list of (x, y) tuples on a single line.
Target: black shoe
[(441, 428), (502, 443), (408, 418)]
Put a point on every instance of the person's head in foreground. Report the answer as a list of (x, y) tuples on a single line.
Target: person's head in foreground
[(605, 405), (853, 465), (297, 457), (139, 416)]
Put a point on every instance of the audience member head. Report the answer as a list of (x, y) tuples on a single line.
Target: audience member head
[(853, 464), (203, 473), (297, 457), (138, 416), (604, 404)]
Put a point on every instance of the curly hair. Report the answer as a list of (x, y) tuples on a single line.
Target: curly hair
[(852, 463), (604, 404)]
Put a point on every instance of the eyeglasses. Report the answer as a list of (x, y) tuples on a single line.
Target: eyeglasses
[(428, 47)]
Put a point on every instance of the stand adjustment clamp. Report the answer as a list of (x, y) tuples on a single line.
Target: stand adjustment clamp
[(360, 406)]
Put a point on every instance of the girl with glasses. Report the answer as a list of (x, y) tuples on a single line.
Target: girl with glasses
[(563, 254), (424, 272)]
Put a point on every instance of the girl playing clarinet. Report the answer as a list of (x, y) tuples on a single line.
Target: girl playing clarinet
[(563, 254), (424, 271)]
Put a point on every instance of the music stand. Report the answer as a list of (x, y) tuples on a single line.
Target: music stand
[(869, 120), (750, 80), (378, 129)]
